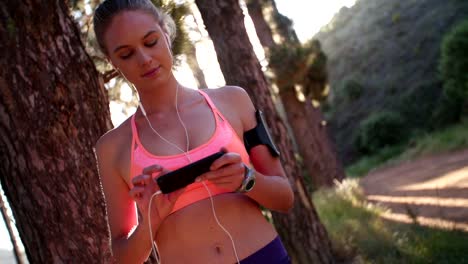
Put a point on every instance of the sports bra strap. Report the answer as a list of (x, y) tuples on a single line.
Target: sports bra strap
[(210, 103), (134, 129)]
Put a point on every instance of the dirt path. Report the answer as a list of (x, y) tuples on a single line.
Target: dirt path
[(433, 190)]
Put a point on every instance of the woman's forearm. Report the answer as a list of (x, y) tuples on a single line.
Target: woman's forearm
[(136, 248), (272, 192)]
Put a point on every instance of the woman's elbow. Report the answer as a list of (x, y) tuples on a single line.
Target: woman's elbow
[(287, 202)]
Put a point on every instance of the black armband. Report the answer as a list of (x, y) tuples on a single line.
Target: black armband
[(260, 135)]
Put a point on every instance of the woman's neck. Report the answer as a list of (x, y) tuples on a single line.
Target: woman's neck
[(160, 99)]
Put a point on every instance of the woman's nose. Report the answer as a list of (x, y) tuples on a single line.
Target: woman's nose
[(144, 58)]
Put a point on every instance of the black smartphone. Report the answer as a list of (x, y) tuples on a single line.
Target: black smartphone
[(186, 175)]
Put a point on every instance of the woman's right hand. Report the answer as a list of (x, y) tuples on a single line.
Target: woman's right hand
[(144, 186)]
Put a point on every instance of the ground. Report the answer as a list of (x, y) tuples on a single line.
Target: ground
[(431, 190)]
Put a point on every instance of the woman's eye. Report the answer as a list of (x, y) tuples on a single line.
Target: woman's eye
[(152, 43), (126, 55)]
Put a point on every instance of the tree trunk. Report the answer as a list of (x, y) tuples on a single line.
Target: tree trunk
[(304, 236), (194, 66), (14, 242), (53, 108), (310, 149), (264, 33), (315, 147), (326, 163)]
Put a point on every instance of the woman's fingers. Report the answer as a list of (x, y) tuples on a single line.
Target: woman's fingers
[(152, 169), (226, 159), (226, 171), (137, 192), (141, 180)]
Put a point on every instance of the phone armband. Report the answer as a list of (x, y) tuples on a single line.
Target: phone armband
[(260, 135)]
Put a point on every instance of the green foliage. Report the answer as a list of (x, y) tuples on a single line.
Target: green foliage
[(316, 75), (284, 27), (358, 232), (396, 18), (364, 165), (303, 65), (177, 11), (350, 90), (285, 62), (353, 224), (453, 68), (450, 139), (450, 105), (379, 130), (417, 115)]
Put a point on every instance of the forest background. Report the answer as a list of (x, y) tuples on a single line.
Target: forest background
[(392, 95)]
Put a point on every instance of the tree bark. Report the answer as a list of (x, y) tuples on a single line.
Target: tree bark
[(53, 108), (326, 163), (304, 236), (314, 145)]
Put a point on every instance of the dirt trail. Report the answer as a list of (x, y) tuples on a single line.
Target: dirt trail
[(433, 190)]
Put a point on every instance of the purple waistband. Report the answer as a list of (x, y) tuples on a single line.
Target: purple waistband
[(273, 253)]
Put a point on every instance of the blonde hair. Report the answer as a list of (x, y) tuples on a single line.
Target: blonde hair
[(108, 9)]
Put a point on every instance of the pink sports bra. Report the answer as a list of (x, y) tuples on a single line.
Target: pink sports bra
[(223, 136)]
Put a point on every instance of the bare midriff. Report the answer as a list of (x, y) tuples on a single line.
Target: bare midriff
[(191, 235)]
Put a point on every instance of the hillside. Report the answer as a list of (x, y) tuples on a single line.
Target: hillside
[(383, 54)]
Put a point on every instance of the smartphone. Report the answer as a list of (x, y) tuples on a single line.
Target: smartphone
[(186, 175)]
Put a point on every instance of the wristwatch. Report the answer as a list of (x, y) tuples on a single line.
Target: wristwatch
[(249, 180)]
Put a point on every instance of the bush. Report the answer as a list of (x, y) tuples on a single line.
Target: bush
[(453, 68), (416, 115), (379, 130), (349, 90)]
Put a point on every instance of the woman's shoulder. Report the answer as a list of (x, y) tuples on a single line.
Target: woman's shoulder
[(227, 93), (113, 140), (231, 96), (235, 99)]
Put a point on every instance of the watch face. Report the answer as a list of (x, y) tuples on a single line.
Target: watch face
[(250, 185)]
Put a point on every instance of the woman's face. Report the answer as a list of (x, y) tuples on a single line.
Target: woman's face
[(139, 48)]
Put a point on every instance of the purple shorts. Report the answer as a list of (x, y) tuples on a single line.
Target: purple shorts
[(273, 253)]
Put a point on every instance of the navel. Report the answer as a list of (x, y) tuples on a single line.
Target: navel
[(218, 249)]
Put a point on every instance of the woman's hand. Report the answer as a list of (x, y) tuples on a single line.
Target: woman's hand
[(144, 186), (226, 172)]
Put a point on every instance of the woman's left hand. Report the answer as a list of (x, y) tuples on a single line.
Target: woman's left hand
[(226, 172)]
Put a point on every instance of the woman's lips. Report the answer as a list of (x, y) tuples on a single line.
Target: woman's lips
[(151, 72)]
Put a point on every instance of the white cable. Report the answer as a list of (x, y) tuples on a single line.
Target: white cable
[(219, 223), (154, 245), (183, 125)]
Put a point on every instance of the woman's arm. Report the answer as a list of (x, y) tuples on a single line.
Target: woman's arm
[(272, 188), (130, 241)]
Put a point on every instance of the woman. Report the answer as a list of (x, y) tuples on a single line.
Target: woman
[(214, 220)]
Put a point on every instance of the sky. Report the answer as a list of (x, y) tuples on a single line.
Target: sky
[(308, 17)]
